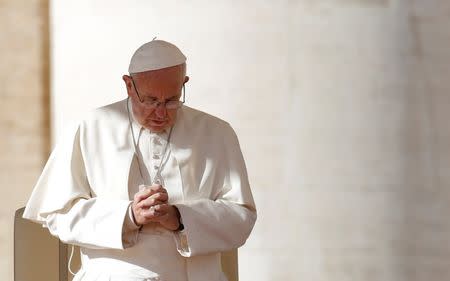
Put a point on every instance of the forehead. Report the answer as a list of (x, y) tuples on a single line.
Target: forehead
[(160, 84), (169, 74)]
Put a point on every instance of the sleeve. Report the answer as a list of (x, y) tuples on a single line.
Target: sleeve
[(224, 222), (93, 223), (130, 230), (62, 201)]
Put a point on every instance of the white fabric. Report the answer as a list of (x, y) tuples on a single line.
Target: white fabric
[(156, 54), (84, 192), (150, 148)]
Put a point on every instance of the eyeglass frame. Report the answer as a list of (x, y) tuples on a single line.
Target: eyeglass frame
[(158, 102)]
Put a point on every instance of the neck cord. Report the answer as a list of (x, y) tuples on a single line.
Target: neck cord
[(158, 176)]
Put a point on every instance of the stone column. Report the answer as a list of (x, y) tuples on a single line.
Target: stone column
[(24, 114)]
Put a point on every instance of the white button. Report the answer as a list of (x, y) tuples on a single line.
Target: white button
[(157, 150)]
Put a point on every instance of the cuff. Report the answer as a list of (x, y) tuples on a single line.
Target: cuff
[(180, 236), (130, 230), (130, 223)]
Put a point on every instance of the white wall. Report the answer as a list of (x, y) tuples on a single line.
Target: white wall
[(340, 107)]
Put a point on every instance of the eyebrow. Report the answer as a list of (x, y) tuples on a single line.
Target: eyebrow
[(168, 99)]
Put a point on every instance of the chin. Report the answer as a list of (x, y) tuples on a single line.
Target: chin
[(156, 128)]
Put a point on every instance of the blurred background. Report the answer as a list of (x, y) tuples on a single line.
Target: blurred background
[(341, 108)]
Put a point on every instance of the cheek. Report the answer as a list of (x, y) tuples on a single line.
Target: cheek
[(140, 113)]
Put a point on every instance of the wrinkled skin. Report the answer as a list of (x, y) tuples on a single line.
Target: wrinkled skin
[(164, 85)]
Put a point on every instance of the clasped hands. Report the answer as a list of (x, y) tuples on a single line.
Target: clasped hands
[(151, 205)]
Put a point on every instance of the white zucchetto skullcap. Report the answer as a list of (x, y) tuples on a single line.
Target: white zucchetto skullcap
[(156, 54)]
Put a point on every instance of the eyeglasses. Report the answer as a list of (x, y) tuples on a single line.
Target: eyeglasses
[(153, 103)]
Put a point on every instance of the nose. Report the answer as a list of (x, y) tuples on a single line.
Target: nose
[(161, 110)]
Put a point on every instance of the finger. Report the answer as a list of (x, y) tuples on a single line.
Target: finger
[(146, 190), (152, 214), (157, 188), (152, 187), (147, 203), (141, 195), (160, 196), (162, 208), (146, 193), (158, 210), (155, 199)]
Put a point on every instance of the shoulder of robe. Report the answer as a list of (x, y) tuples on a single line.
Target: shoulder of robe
[(109, 122), (198, 121), (107, 115)]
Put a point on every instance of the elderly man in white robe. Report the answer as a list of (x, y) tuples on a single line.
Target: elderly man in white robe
[(149, 188)]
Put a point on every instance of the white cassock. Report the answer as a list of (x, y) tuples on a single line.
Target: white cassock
[(86, 188)]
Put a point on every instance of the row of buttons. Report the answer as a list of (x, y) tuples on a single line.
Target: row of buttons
[(157, 145)]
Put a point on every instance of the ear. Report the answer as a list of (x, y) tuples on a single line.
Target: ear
[(186, 79), (128, 84)]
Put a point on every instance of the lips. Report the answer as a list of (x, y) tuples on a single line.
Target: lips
[(158, 122)]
